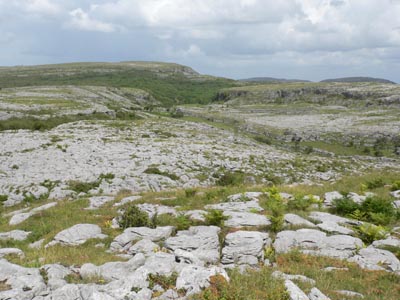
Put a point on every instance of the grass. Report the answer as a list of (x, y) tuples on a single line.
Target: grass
[(32, 123), (170, 88), (372, 284), (253, 285), (47, 224)]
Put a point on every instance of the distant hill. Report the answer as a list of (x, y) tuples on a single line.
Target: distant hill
[(359, 79), (168, 83), (272, 80)]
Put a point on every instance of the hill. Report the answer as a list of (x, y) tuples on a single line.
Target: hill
[(168, 83), (272, 80), (359, 79)]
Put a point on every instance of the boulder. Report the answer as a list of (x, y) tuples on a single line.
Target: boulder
[(132, 234), (245, 219), (99, 201), (295, 220), (145, 246), (25, 283), (152, 209), (390, 241), (315, 242), (77, 235), (395, 194), (20, 217), (196, 215), (202, 241), (330, 197), (327, 217), (11, 251), (244, 247), (113, 270), (302, 278), (295, 293), (58, 193), (128, 200), (195, 278), (371, 258), (248, 196), (16, 235), (316, 294), (248, 206), (333, 227)]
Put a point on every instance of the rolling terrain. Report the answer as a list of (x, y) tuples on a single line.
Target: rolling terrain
[(147, 180)]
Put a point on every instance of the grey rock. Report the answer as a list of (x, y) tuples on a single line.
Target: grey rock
[(331, 269), (37, 245), (186, 257), (248, 206), (19, 218), (315, 242), (356, 197), (244, 247), (316, 294), (248, 196), (196, 215), (349, 294), (396, 204), (295, 293), (16, 235), (99, 201), (376, 259), (327, 217), (395, 194), (295, 220), (332, 227), (195, 278), (169, 295), (58, 193), (245, 219), (390, 241), (144, 246), (330, 197), (161, 263), (281, 275), (128, 200), (26, 283), (202, 241), (11, 251), (152, 209), (132, 234), (286, 196), (113, 270), (77, 235)]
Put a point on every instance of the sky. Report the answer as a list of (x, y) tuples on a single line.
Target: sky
[(304, 39)]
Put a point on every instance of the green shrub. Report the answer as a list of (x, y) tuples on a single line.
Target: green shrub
[(374, 184), (3, 198), (134, 217), (370, 232), (345, 206), (300, 203), (396, 185), (82, 187), (276, 207), (190, 193), (215, 217), (231, 178), (166, 282), (156, 171), (380, 211)]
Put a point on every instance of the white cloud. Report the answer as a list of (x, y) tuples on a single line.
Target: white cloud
[(82, 21), (45, 7)]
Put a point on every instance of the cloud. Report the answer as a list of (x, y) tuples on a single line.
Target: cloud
[(212, 35), (82, 21)]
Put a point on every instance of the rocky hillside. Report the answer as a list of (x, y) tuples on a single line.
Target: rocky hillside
[(168, 83), (107, 192), (359, 79)]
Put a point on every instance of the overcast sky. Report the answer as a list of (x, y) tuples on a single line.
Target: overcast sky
[(308, 39)]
